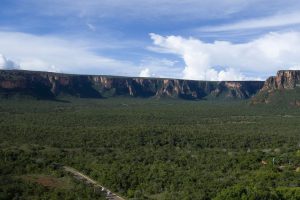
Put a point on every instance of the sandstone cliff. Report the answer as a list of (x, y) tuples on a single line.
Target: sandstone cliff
[(278, 86), (51, 85), (285, 79)]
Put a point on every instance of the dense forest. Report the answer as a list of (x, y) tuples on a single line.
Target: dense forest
[(149, 149)]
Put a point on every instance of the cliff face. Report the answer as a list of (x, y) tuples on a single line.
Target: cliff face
[(287, 79), (283, 82), (50, 85)]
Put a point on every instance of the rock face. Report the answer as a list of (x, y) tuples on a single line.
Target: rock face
[(51, 85), (285, 80)]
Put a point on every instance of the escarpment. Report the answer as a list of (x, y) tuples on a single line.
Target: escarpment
[(51, 85), (285, 84), (285, 79)]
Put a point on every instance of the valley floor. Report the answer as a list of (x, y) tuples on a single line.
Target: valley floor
[(149, 149)]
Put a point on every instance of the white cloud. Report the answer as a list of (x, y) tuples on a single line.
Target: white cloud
[(231, 74), (7, 64), (161, 67), (296, 67), (223, 60), (265, 22), (145, 73), (45, 53)]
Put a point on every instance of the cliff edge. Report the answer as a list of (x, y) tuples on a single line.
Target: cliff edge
[(51, 85)]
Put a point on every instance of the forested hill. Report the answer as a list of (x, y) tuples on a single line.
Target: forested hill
[(50, 85)]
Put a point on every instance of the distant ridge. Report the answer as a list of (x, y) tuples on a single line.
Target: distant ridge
[(47, 85)]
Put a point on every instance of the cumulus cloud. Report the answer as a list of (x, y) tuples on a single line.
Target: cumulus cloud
[(7, 64), (222, 60), (160, 67), (54, 54), (145, 73), (296, 67)]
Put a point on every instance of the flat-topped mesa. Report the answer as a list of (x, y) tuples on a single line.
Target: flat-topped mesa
[(46, 84), (285, 79), (188, 89)]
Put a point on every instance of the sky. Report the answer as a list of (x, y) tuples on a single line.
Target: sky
[(188, 39)]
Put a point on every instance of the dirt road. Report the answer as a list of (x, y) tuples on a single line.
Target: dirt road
[(109, 195)]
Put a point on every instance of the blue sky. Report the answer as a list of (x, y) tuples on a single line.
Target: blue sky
[(192, 39)]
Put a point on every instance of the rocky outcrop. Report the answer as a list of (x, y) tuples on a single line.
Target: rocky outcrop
[(285, 80), (51, 85)]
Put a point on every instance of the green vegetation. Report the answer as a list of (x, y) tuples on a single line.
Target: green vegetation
[(149, 149), (282, 98)]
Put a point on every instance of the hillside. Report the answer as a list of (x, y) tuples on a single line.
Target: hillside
[(48, 85)]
